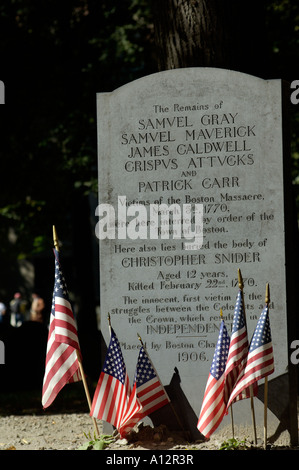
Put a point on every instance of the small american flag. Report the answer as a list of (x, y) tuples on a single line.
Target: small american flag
[(149, 390), (213, 407), (260, 360), (62, 364), (112, 397), (238, 351)]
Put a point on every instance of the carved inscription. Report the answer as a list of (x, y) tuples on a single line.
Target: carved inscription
[(182, 150)]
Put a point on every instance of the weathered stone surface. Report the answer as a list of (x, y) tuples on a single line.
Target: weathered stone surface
[(193, 136)]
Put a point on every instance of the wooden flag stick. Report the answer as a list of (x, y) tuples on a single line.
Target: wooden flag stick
[(267, 301), (241, 286), (56, 245), (232, 420), (231, 406), (265, 411), (186, 433), (109, 322), (87, 392)]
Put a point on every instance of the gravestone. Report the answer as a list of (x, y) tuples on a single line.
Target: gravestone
[(194, 139), (2, 353), (2, 93)]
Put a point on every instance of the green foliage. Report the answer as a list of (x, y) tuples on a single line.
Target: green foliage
[(283, 39), (283, 36), (97, 443), (55, 57), (234, 444)]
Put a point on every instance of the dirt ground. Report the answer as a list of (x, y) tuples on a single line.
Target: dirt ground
[(74, 430), (71, 431), (68, 426)]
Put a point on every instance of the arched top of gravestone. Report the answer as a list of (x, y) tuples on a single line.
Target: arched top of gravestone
[(188, 80)]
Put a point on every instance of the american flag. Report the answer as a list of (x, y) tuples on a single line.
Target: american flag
[(112, 398), (260, 360), (238, 351), (149, 390), (213, 406), (62, 364)]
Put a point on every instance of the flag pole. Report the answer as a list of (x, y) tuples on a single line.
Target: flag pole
[(231, 406), (56, 245), (267, 301), (109, 322), (186, 433), (241, 286)]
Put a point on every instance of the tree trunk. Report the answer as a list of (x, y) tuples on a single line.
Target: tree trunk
[(210, 33)]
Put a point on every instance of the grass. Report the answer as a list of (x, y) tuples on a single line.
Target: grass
[(234, 444), (97, 443)]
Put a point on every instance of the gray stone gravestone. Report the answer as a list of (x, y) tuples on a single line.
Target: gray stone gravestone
[(2, 92), (2, 353), (190, 139)]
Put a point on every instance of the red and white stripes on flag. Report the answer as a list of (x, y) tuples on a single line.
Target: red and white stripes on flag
[(62, 365), (238, 350), (149, 390), (112, 398), (260, 360), (213, 406), (133, 415)]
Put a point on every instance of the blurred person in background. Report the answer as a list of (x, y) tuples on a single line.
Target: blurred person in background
[(37, 308), (17, 310)]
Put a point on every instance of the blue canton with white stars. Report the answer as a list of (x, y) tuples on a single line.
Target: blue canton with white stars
[(144, 370), (262, 332), (60, 288), (221, 353), (239, 317), (114, 362)]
